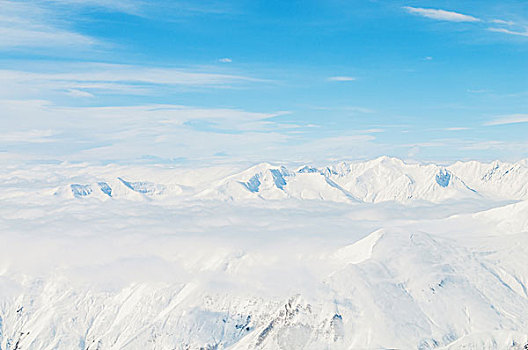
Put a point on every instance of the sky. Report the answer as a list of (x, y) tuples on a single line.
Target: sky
[(133, 81)]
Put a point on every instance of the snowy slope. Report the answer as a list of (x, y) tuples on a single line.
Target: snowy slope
[(385, 179), (511, 218), (366, 255), (395, 288), (498, 179)]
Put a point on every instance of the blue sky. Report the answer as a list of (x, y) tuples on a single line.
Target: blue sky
[(294, 81)]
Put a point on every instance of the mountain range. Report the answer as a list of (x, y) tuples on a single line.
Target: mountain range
[(379, 180)]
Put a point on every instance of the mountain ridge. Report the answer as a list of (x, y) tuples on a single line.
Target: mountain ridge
[(378, 180)]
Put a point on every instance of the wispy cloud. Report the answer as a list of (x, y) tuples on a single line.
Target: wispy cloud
[(129, 132), (510, 32), (341, 78), (88, 79), (508, 119), (354, 109), (46, 24), (149, 9), (41, 37), (509, 27), (372, 131), (456, 128), (441, 15), (501, 21), (79, 93), (225, 60), (28, 136), (24, 24), (496, 25), (133, 7), (485, 145)]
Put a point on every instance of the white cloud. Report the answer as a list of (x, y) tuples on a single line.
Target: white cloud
[(510, 32), (225, 60), (79, 93), (132, 7), (441, 15), (426, 144), (341, 78), (484, 145), (42, 37), (129, 132), (373, 131), (333, 147), (508, 119), (451, 16), (344, 108), (514, 28), (45, 24), (88, 79), (115, 73), (456, 129), (29, 136), (25, 24), (500, 21)]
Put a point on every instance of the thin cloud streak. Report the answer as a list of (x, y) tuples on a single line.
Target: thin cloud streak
[(441, 15), (501, 21), (131, 7), (88, 79), (508, 119), (341, 78), (451, 16), (456, 129), (30, 136), (510, 32), (125, 73), (42, 37)]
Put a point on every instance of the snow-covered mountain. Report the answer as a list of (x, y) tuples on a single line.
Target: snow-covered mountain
[(379, 180), (277, 182), (497, 179), (357, 255), (385, 179)]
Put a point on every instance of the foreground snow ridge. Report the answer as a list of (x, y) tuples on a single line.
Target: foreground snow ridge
[(379, 254)]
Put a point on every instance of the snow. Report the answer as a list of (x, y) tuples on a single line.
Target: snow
[(361, 250), (374, 254)]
